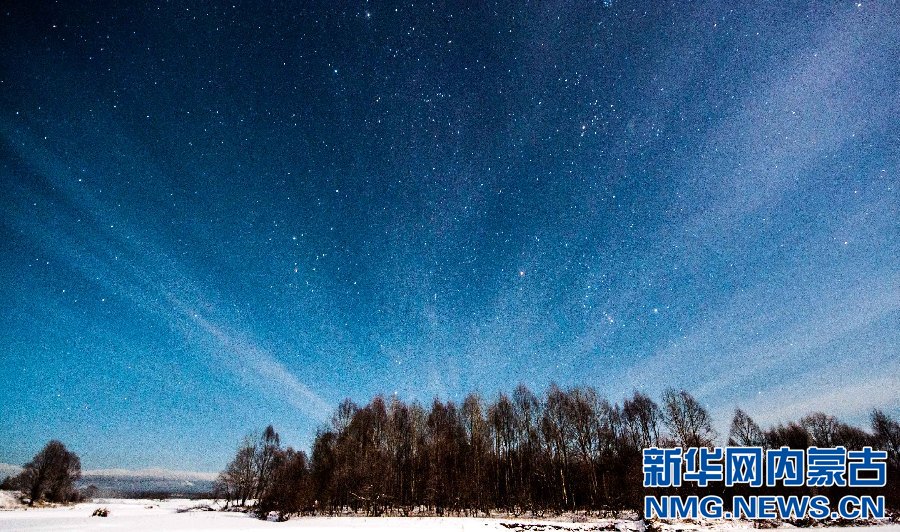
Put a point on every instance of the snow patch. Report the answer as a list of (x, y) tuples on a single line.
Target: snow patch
[(182, 514), (9, 500)]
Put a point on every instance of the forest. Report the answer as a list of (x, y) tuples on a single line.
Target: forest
[(567, 450)]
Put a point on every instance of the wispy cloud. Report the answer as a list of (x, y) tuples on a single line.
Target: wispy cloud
[(757, 346), (853, 400), (780, 341), (804, 110), (255, 366), (128, 262)]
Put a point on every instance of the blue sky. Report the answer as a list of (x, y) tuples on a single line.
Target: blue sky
[(220, 217)]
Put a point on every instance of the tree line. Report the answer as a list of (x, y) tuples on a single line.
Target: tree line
[(520, 453)]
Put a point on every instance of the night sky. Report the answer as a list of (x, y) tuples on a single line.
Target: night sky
[(219, 216)]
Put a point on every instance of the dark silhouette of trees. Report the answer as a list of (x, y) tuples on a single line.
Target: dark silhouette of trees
[(50, 475), (638, 426), (567, 450), (886, 437), (528, 447), (237, 482), (247, 476), (265, 459), (477, 445), (791, 435), (822, 428), (559, 434), (288, 489), (641, 418), (501, 419), (324, 469)]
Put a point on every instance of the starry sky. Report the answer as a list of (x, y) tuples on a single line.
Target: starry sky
[(216, 216)]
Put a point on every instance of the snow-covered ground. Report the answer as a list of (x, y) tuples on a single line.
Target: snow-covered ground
[(183, 514)]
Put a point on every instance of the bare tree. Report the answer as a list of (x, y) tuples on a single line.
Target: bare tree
[(399, 447), (886, 433), (886, 437), (567, 451), (822, 428), (559, 433), (289, 489), (264, 459), (324, 466), (477, 450), (584, 410), (238, 482), (744, 431), (445, 438), (501, 418), (51, 474), (527, 413), (640, 419), (248, 474), (688, 422), (791, 435)]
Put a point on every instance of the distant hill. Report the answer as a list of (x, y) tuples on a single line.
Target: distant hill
[(127, 483), (154, 483), (150, 486), (9, 470)]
